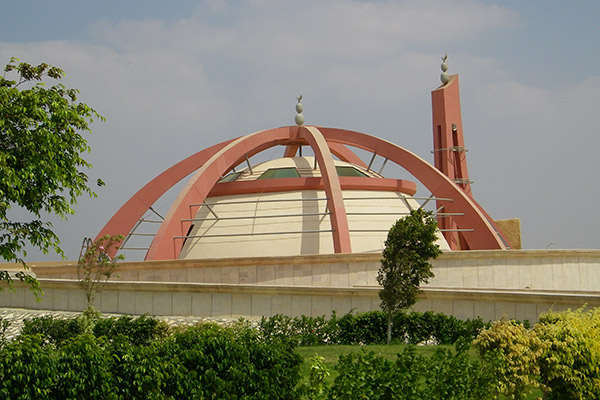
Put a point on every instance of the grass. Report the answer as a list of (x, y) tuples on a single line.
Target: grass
[(331, 354)]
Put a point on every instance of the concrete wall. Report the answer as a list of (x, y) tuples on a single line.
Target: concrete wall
[(491, 284)]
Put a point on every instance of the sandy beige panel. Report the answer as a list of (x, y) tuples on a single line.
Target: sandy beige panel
[(342, 305), (261, 305), (126, 302), (284, 275), (301, 305), (182, 303), (145, 303), (109, 300), (202, 304), (339, 274), (281, 304), (321, 306), (221, 305), (241, 305), (247, 274)]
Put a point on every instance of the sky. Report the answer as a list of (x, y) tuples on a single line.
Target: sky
[(172, 78)]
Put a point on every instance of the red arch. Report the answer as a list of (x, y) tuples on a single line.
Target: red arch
[(483, 236), (218, 159), (333, 189), (129, 214), (165, 246)]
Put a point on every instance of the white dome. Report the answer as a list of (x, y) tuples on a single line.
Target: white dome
[(235, 221)]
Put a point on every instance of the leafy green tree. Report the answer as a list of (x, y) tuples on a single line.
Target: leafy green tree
[(40, 156), (410, 244)]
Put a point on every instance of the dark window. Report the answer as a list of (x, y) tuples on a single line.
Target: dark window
[(280, 173), (230, 177), (349, 171)]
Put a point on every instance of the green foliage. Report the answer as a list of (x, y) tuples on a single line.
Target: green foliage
[(317, 386), (40, 155), (51, 329), (370, 328), (205, 361), (28, 369), (83, 370), (303, 331), (435, 328), (148, 372), (95, 267), (453, 375), (364, 376), (570, 363), (446, 375), (561, 355), (24, 277), (410, 245), (138, 331), (513, 353), (4, 324), (361, 328)]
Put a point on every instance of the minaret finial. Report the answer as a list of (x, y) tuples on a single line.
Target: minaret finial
[(299, 117), (444, 76)]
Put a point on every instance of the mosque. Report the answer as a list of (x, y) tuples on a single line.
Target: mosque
[(302, 234)]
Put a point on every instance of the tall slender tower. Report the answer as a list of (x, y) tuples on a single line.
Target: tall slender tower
[(449, 146), (448, 141)]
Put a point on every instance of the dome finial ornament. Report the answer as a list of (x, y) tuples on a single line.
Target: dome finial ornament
[(299, 117), (444, 76)]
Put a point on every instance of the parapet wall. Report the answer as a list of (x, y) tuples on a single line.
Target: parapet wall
[(491, 284)]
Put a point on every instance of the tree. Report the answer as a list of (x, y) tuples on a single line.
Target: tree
[(40, 156), (410, 244), (95, 267)]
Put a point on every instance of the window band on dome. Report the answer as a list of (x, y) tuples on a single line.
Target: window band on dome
[(289, 172)]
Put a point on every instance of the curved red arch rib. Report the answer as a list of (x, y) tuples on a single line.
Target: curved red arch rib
[(129, 214), (333, 190), (483, 235), (214, 161), (165, 245)]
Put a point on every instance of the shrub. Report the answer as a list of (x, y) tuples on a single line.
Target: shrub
[(452, 375), (52, 329), (205, 361), (27, 369), (370, 328), (317, 385), (149, 371), (446, 375), (512, 353), (237, 363), (4, 324), (139, 330), (569, 364), (84, 370), (365, 376)]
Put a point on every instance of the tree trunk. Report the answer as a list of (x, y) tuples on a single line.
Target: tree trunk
[(389, 327)]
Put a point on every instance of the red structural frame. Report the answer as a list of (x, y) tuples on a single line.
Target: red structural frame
[(212, 163), (464, 222)]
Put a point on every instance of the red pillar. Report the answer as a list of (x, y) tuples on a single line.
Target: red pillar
[(449, 149)]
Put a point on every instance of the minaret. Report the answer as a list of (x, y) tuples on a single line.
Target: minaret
[(449, 148), (448, 141)]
